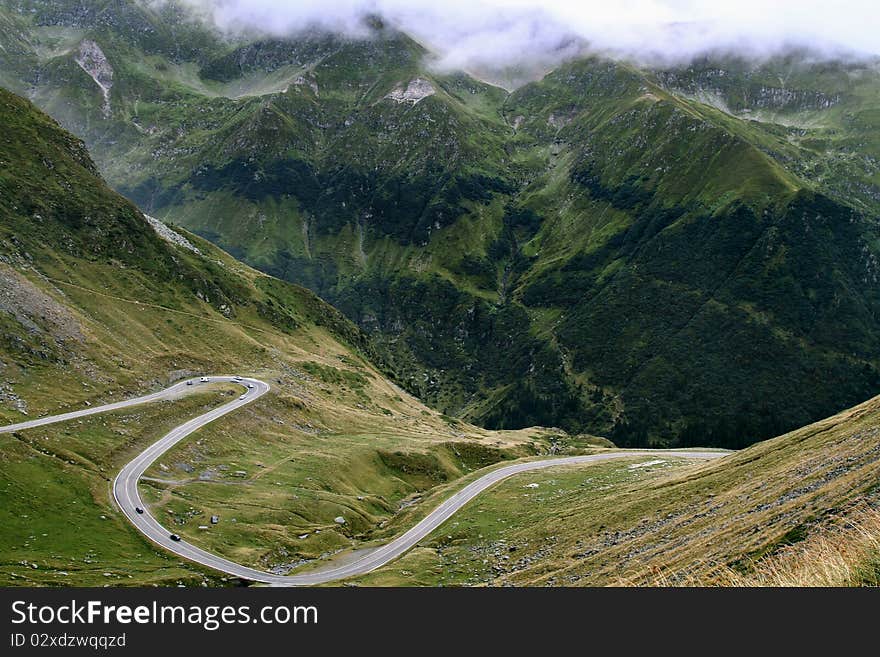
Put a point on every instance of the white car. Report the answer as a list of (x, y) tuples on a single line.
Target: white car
[(204, 379), (243, 396), (237, 378)]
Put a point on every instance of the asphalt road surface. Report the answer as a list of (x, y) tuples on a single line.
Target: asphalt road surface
[(125, 490), (169, 393)]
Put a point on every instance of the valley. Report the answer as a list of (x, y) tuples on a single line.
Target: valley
[(660, 522), (611, 324), (106, 309), (128, 499), (591, 226)]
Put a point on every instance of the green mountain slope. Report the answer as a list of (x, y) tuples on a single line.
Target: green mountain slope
[(700, 273), (651, 255), (649, 523), (819, 119), (97, 304)]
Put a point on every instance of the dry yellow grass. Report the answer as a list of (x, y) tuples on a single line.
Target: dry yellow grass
[(844, 553), (681, 526)]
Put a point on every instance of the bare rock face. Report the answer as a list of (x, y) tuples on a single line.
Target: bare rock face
[(169, 235), (559, 121), (415, 91), (302, 81), (34, 310), (92, 60)]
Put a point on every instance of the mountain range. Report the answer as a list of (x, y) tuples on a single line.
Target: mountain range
[(672, 257), (99, 303)]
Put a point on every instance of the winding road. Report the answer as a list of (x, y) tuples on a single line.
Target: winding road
[(125, 488)]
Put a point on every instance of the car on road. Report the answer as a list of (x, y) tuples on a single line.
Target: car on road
[(237, 378), (243, 396), (204, 379), (138, 509), (250, 386), (174, 537), (189, 383)]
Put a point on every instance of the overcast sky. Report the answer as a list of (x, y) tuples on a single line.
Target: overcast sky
[(492, 32)]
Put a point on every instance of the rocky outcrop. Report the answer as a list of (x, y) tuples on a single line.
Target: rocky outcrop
[(415, 91), (92, 60), (34, 310), (170, 235), (303, 81), (751, 94)]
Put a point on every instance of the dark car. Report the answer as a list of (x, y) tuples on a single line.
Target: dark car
[(174, 537), (138, 509), (189, 383)]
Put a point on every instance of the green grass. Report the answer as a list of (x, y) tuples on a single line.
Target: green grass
[(60, 527), (100, 308), (672, 523), (513, 524), (629, 261), (279, 487), (667, 212)]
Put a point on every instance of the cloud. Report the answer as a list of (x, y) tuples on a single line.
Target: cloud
[(483, 33)]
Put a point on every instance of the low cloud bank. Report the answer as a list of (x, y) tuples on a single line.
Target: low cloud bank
[(510, 33)]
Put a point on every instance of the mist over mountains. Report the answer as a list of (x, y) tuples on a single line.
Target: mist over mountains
[(510, 33), (680, 255), (447, 238)]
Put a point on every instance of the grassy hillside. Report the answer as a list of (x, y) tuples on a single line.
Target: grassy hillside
[(817, 118), (797, 509), (843, 551), (95, 306), (649, 255)]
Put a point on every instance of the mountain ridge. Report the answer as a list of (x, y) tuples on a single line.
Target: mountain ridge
[(545, 256), (98, 305)]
